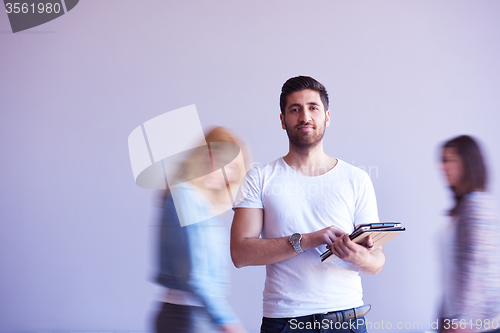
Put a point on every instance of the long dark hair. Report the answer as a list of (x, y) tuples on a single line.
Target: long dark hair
[(474, 168)]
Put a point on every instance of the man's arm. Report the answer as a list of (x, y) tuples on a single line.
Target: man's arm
[(247, 249), (369, 262)]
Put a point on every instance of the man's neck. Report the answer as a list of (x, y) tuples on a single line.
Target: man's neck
[(311, 161)]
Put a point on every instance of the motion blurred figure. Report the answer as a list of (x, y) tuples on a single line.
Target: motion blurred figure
[(471, 299), (194, 242)]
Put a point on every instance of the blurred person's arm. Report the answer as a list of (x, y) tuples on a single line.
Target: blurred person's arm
[(476, 258), (206, 278), (233, 328), (205, 258)]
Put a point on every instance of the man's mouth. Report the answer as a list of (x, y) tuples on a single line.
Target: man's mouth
[(305, 127)]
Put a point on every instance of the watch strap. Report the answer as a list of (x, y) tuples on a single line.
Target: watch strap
[(295, 241)]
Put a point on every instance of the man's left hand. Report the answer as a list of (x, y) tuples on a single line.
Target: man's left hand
[(349, 251), (368, 260)]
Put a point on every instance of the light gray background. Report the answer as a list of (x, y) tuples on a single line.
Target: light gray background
[(76, 233)]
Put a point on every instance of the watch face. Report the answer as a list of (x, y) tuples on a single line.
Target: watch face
[(295, 237)]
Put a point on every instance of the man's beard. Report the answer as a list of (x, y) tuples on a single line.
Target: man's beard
[(305, 141)]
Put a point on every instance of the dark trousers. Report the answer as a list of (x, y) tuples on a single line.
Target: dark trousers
[(173, 318)]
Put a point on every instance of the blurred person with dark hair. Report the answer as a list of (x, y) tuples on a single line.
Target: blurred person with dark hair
[(471, 270), (194, 242), (300, 204)]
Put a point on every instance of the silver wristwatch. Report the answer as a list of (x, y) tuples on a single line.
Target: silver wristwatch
[(295, 241)]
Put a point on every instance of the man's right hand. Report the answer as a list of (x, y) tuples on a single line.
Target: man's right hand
[(326, 236)]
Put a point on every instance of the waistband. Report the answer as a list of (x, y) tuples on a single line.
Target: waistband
[(339, 316), (345, 315)]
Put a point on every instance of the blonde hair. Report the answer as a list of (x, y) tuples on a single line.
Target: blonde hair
[(222, 148)]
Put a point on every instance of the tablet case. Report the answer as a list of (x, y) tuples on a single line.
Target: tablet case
[(381, 233)]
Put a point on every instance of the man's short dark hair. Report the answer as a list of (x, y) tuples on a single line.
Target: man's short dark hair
[(299, 83)]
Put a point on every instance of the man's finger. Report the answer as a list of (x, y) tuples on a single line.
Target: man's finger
[(369, 242), (336, 231), (337, 248), (333, 238), (348, 243), (329, 238)]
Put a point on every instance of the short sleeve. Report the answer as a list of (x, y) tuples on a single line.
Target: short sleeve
[(250, 191), (366, 202)]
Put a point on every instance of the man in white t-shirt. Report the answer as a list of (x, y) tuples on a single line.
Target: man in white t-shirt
[(302, 204)]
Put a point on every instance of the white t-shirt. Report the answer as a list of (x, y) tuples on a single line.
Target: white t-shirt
[(292, 202)]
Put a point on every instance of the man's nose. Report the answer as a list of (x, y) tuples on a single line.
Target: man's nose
[(305, 116)]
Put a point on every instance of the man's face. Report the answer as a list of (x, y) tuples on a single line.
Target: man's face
[(305, 118)]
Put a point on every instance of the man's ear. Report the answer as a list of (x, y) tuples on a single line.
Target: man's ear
[(327, 118), (282, 118)]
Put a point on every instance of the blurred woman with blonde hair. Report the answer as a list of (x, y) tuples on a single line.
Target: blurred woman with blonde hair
[(194, 242)]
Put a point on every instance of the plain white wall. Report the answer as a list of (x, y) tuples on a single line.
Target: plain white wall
[(77, 235)]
